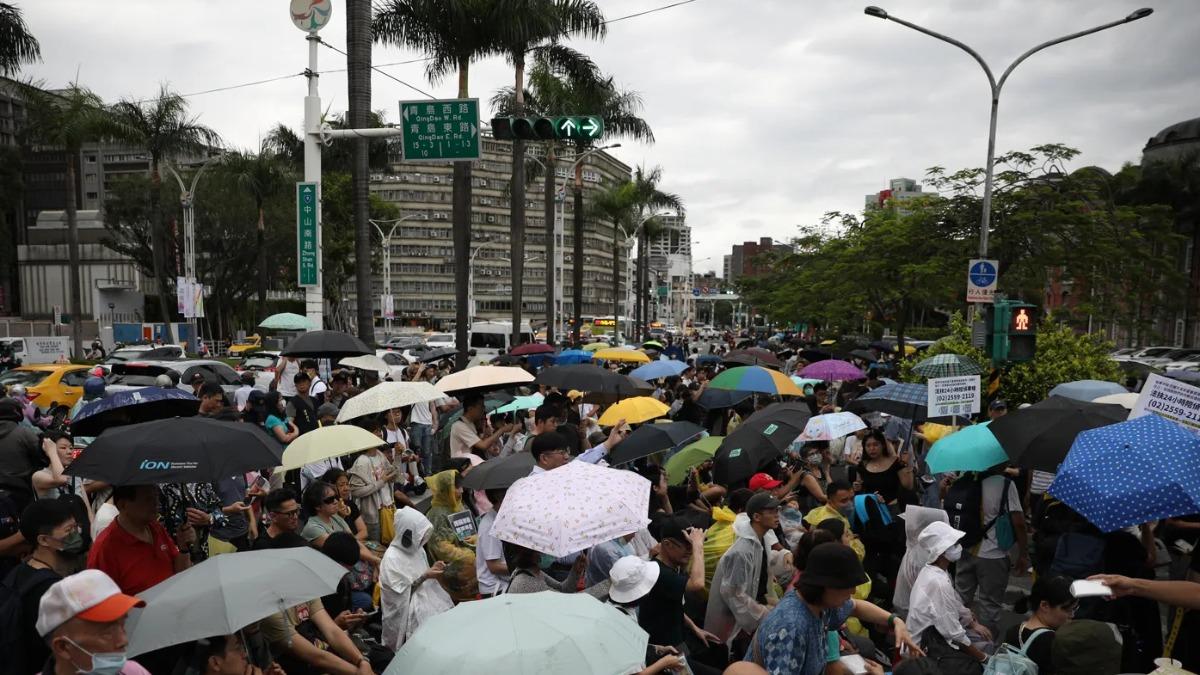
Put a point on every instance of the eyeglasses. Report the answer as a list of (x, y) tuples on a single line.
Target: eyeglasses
[(330, 500), (292, 512)]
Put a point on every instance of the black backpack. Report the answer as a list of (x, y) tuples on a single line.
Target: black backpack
[(964, 506), (12, 633)]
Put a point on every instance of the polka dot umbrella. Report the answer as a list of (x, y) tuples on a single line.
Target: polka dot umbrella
[(1131, 473)]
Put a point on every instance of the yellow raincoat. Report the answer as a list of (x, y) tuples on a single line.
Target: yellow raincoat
[(459, 577)]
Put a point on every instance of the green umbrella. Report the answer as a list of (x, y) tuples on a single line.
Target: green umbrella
[(286, 321), (517, 634), (679, 463), (522, 403), (947, 365), (974, 448)]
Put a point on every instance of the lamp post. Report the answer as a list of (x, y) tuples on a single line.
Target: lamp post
[(996, 86), (387, 265), (577, 255), (187, 199), (471, 281)]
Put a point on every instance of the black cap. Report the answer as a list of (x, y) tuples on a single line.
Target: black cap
[(342, 547), (761, 501), (671, 528), (998, 404), (833, 565)]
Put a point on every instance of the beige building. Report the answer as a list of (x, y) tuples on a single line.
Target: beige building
[(422, 250)]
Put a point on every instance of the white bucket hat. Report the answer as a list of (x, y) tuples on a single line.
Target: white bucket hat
[(631, 578), (936, 538)]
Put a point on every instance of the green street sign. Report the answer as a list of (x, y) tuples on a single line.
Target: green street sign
[(308, 207), (444, 130), (588, 127)]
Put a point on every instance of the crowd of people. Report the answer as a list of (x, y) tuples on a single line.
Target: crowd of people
[(843, 556)]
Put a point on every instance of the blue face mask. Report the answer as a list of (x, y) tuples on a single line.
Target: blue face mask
[(103, 663)]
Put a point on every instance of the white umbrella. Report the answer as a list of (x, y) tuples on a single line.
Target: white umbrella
[(326, 442), (228, 592), (387, 395), (829, 426), (481, 377), (366, 362), (1128, 400), (572, 508)]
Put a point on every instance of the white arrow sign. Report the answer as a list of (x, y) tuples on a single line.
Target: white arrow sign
[(591, 127), (569, 126)]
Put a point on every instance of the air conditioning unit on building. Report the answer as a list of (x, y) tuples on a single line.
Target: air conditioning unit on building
[(491, 219), (441, 215), (437, 179)]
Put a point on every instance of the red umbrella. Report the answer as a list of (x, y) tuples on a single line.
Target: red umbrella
[(535, 348)]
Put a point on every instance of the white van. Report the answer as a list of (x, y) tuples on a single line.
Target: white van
[(490, 339)]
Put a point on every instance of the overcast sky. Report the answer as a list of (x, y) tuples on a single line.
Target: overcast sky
[(767, 113)]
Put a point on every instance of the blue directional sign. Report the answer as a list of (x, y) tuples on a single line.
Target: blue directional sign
[(981, 280)]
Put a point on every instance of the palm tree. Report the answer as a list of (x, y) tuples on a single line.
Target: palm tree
[(358, 82), (647, 197), (67, 120), (452, 33), (260, 175), (17, 44), (616, 205), (164, 129), (535, 27)]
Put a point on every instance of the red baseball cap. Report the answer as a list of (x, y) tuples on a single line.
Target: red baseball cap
[(763, 481)]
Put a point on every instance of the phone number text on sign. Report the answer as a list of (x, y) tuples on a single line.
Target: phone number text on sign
[(1170, 399)]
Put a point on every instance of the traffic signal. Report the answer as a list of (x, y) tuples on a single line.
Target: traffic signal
[(1022, 332), (585, 127)]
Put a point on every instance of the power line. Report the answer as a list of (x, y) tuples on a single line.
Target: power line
[(650, 11), (385, 74)]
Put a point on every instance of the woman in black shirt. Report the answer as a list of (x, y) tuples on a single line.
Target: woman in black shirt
[(881, 471), (1052, 605)]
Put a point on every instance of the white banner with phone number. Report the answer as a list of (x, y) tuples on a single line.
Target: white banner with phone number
[(1170, 399)]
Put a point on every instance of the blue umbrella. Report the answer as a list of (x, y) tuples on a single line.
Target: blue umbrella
[(1131, 473), (572, 357), (656, 369), (1087, 390), (133, 406)]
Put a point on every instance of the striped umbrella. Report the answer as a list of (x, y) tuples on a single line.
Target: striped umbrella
[(947, 365), (902, 399), (756, 378)]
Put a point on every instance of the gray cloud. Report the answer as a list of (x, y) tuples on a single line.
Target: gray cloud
[(767, 113)]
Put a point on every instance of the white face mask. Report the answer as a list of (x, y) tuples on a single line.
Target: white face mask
[(953, 553)]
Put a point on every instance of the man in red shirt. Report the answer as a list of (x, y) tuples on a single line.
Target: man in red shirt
[(135, 549)]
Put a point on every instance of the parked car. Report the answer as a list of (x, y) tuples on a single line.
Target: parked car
[(440, 341), (1142, 352), (1183, 363), (1165, 358), (242, 347), (53, 387), (262, 364), (139, 374)]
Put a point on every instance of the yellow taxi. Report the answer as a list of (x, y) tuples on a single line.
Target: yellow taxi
[(242, 347), (49, 385)]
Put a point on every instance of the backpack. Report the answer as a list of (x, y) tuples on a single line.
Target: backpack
[(12, 633), (1008, 660), (964, 506), (1078, 555)]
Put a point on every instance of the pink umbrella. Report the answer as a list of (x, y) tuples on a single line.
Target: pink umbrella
[(532, 348), (832, 369)]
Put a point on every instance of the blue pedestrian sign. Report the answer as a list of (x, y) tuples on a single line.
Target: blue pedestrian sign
[(981, 280)]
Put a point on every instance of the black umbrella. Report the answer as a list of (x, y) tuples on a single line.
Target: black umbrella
[(593, 380), (1038, 437), (713, 399), (758, 441), (902, 399), (753, 356), (814, 355), (176, 450), (885, 347), (436, 355), (131, 407), (326, 344), (500, 472), (864, 355), (651, 438)]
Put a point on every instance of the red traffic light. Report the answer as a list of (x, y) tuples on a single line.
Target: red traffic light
[(1022, 321)]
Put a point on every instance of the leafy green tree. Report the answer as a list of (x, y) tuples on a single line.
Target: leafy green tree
[(261, 176), (338, 242), (957, 341), (67, 119), (165, 130), (648, 198), (616, 205), (17, 44)]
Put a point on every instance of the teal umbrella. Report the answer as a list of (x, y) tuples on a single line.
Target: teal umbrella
[(518, 634), (973, 448), (697, 453), (286, 321), (522, 403)]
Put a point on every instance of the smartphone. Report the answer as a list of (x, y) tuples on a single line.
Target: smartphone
[(1084, 588), (261, 482)]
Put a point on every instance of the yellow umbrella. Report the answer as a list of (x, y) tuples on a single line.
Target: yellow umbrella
[(595, 346), (327, 442), (634, 411), (625, 355)]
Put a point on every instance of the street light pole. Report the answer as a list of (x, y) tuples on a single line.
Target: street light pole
[(187, 199), (387, 265), (471, 282), (996, 86)]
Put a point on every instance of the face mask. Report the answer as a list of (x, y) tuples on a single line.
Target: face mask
[(846, 511), (104, 663), (72, 543), (813, 459), (953, 553)]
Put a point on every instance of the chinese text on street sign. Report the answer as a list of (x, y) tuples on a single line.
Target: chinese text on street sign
[(307, 210), (981, 280), (1171, 399), (953, 396), (440, 131)]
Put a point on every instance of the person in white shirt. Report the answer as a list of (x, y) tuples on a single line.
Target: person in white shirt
[(243, 392), (936, 615), (421, 422), (490, 568), (317, 388), (285, 376)]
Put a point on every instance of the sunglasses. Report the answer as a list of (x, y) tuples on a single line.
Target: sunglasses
[(293, 512), (330, 500)]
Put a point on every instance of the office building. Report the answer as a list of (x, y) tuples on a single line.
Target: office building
[(744, 261), (669, 261), (422, 250), (899, 190)]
